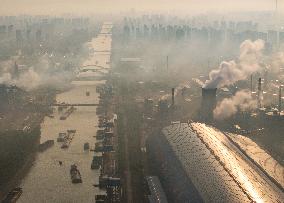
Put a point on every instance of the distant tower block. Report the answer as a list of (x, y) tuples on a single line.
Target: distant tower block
[(173, 96), (259, 94), (208, 103), (167, 63)]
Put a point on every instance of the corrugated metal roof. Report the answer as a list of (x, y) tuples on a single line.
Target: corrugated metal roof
[(220, 172)]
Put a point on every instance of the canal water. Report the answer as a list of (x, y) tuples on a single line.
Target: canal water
[(47, 180)]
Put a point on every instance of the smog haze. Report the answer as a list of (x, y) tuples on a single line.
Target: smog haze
[(187, 7), (144, 101)]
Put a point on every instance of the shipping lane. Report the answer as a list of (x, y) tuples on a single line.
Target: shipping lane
[(47, 180)]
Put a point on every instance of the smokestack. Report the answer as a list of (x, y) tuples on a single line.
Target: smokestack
[(259, 93), (208, 103), (173, 96), (15, 74), (167, 63), (251, 78)]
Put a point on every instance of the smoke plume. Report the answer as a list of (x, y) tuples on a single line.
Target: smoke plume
[(28, 80), (230, 72), (44, 73), (242, 101)]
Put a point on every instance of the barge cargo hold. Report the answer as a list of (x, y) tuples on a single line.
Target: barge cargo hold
[(86, 146), (101, 198), (68, 139), (61, 137)]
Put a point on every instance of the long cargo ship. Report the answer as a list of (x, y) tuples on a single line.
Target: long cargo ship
[(45, 145), (75, 174), (67, 113), (13, 195)]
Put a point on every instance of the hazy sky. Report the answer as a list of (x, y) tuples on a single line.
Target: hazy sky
[(95, 6)]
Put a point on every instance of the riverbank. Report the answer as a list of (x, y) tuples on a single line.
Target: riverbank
[(49, 176), (18, 150), (20, 138)]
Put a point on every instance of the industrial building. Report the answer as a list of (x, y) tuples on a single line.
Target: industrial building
[(218, 168)]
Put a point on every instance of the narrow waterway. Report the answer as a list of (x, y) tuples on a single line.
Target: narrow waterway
[(47, 180)]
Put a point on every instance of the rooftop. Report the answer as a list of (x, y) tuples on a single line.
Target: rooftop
[(218, 169)]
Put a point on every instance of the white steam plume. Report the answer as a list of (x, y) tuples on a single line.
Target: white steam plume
[(44, 73), (230, 72), (29, 80), (242, 101)]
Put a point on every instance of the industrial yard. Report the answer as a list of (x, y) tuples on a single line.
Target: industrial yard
[(152, 101)]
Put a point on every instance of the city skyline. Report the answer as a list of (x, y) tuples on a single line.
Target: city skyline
[(14, 7)]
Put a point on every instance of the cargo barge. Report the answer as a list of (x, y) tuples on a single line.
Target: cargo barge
[(86, 146), (68, 138), (67, 113), (44, 146), (13, 195), (101, 198), (100, 134), (61, 137), (96, 162), (75, 174)]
